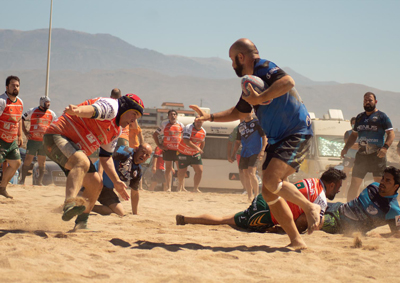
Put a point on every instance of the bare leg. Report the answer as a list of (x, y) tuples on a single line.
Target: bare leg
[(273, 185), (117, 208), (134, 201), (247, 183), (207, 219), (25, 167), (93, 185), (181, 179), (8, 173), (354, 188), (253, 180), (198, 173), (168, 176)]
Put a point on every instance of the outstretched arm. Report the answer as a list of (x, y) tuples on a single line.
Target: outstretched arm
[(229, 115)]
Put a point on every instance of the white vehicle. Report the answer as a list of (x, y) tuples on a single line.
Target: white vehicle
[(326, 145), (218, 172)]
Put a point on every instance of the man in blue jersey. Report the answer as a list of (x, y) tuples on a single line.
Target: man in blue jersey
[(287, 125), (376, 206), (127, 165), (253, 140), (370, 128)]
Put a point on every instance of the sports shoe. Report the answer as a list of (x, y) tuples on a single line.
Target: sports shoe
[(4, 193), (81, 222), (180, 219), (73, 207)]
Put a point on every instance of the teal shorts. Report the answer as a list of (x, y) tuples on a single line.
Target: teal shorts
[(35, 147), (9, 151), (186, 160), (257, 217)]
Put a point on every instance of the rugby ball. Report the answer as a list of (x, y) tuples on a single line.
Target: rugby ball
[(258, 85)]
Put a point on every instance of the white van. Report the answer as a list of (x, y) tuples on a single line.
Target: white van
[(326, 145), (218, 172)]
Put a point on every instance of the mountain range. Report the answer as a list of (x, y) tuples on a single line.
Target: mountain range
[(89, 65)]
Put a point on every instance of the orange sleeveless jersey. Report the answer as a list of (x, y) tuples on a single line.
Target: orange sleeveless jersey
[(40, 121), (172, 134), (10, 117), (133, 137), (313, 190), (195, 136), (89, 134)]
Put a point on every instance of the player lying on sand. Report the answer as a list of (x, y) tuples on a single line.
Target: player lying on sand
[(376, 206), (258, 216)]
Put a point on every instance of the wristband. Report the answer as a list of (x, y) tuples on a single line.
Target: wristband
[(385, 146), (212, 118)]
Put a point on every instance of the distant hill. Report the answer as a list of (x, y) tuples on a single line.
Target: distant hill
[(85, 65)]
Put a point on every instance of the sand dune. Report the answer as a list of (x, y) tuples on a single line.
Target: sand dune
[(37, 246)]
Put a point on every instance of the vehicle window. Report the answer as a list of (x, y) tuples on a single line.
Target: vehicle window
[(215, 148), (330, 146)]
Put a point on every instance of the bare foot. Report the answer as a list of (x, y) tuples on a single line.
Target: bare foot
[(297, 245), (313, 218), (196, 191)]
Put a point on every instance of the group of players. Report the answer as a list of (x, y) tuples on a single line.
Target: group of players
[(96, 123)]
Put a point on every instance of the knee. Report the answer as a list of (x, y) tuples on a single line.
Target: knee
[(272, 185)]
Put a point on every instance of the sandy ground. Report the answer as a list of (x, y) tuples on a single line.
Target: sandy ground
[(37, 246)]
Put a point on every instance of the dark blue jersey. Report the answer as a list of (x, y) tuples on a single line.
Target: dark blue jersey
[(283, 116), (127, 169), (250, 134), (370, 210), (371, 131)]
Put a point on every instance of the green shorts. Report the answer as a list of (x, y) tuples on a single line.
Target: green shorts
[(35, 147), (59, 149), (9, 151), (170, 155), (332, 223), (186, 160), (257, 217)]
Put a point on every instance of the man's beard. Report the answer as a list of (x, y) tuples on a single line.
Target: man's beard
[(14, 93), (369, 108), (239, 68)]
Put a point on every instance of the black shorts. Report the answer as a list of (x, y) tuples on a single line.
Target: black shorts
[(108, 197), (246, 162), (292, 150), (365, 163), (170, 155)]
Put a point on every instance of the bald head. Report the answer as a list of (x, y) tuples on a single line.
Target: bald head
[(115, 93), (142, 153), (244, 46)]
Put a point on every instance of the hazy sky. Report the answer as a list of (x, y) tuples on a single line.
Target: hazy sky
[(351, 41)]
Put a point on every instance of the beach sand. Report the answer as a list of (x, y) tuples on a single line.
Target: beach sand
[(37, 246)]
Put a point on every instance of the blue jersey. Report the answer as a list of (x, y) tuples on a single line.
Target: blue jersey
[(371, 131), (126, 168), (370, 210), (283, 116), (250, 134)]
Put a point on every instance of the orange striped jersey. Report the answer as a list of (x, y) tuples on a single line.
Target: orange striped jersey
[(172, 134), (313, 189), (87, 133), (40, 121), (10, 116), (195, 136)]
